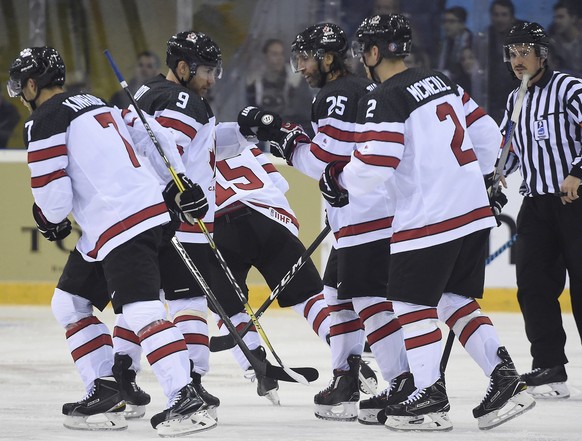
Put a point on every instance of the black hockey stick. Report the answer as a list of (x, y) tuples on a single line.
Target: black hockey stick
[(260, 367), (224, 342), (296, 375), (451, 336)]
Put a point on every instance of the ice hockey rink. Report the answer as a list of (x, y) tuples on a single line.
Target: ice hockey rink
[(37, 376)]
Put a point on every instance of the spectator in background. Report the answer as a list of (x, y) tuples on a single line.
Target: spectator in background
[(469, 76), (277, 89), (148, 66), (456, 38), (499, 84), (9, 118), (566, 39)]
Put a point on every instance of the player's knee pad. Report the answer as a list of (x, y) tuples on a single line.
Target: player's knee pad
[(138, 315), (196, 306), (69, 308)]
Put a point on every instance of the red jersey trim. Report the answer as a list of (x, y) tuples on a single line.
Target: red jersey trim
[(384, 136), (364, 227), (186, 228), (285, 213), (444, 226), (465, 98), (187, 130), (126, 224), (381, 161), (270, 168), (335, 133), (325, 156), (48, 153), (41, 181), (475, 115)]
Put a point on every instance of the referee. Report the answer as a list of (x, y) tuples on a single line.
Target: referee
[(547, 150)]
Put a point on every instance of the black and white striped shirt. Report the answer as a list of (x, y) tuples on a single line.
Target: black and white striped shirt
[(547, 143)]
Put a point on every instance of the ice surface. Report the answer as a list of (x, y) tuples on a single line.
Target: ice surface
[(37, 376)]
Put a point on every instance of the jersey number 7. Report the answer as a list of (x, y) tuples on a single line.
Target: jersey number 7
[(106, 119)]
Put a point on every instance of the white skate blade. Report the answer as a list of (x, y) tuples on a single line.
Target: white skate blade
[(212, 412), (369, 416), (273, 397), (197, 422), (550, 391), (367, 385), (100, 421), (347, 411), (518, 404), (431, 422), (133, 412)]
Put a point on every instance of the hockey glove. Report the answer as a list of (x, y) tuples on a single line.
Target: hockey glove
[(188, 205), (331, 190), (497, 201), (283, 144), (253, 121), (49, 230)]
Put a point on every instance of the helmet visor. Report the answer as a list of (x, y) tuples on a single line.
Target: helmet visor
[(358, 48), (299, 58), (512, 51), (206, 72), (14, 88)]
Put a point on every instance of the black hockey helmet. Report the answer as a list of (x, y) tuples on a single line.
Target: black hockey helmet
[(43, 64), (196, 49), (391, 33), (317, 40), (528, 33)]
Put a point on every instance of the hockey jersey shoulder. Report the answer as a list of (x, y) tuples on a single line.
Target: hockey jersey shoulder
[(339, 98), (56, 114), (396, 98), (159, 94)]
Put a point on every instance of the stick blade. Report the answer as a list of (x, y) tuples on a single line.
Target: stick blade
[(278, 373), (220, 343)]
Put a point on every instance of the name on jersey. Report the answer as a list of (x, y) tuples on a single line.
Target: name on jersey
[(427, 87), (80, 102)]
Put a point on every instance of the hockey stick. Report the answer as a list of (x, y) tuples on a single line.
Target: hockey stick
[(504, 154), (451, 336), (295, 375), (224, 342)]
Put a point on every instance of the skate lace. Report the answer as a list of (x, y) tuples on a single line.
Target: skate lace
[(250, 375), (174, 400), (415, 397), (488, 393), (90, 393), (533, 371)]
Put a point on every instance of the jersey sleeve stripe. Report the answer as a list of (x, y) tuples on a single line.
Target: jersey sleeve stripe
[(172, 123), (269, 168), (364, 227), (325, 156), (256, 151), (385, 136), (41, 181), (444, 226), (339, 134), (47, 153), (465, 98), (126, 224), (475, 115), (378, 160)]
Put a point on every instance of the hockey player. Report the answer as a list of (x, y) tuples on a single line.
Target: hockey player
[(255, 226), (413, 138), (356, 273), (82, 160), (177, 102)]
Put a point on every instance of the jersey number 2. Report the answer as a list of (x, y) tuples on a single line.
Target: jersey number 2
[(463, 156), (106, 120)]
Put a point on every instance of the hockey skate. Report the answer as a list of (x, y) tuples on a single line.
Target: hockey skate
[(339, 401), (266, 387), (135, 398), (400, 389), (506, 395), (186, 415), (547, 383), (368, 382), (426, 411), (101, 409), (210, 401)]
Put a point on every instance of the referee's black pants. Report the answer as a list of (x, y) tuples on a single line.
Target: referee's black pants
[(549, 243)]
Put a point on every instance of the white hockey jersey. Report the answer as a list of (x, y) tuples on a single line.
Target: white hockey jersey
[(334, 110), (250, 178), (412, 137), (193, 126), (82, 160)]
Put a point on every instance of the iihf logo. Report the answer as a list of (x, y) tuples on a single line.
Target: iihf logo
[(541, 130)]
